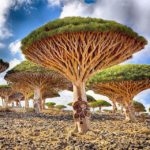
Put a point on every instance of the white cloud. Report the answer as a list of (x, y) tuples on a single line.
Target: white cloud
[(54, 2), (15, 46), (13, 63), (143, 97), (5, 7)]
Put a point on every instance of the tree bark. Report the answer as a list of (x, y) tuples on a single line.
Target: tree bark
[(129, 112), (26, 103), (37, 93), (6, 102), (81, 126), (114, 107), (43, 103)]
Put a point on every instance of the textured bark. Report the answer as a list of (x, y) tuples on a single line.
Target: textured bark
[(37, 93), (114, 107), (129, 112), (26, 103), (79, 92), (6, 102), (43, 104)]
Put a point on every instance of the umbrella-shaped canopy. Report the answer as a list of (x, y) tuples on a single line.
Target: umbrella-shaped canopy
[(125, 80)]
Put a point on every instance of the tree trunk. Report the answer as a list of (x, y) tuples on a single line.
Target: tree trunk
[(3, 103), (81, 123), (17, 103), (20, 103), (26, 103), (43, 104), (12, 104), (6, 102), (114, 107), (129, 112), (100, 110), (37, 93)]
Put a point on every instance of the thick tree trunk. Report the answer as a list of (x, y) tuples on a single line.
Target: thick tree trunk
[(37, 93), (81, 123), (114, 107), (129, 112)]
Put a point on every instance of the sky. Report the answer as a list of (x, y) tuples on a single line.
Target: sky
[(19, 17)]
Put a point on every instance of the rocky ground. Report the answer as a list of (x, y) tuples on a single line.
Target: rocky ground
[(27, 131)]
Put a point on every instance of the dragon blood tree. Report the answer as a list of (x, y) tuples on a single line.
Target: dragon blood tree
[(108, 92), (5, 92), (48, 94), (3, 65), (126, 81), (37, 78), (16, 97), (77, 48), (25, 90)]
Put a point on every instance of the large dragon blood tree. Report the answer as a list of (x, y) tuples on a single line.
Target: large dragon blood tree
[(77, 48), (37, 78), (5, 92), (3, 65), (126, 81)]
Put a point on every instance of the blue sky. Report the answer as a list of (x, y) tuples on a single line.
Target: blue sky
[(20, 17)]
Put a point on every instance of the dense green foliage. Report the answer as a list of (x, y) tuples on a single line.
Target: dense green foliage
[(69, 104), (93, 105), (102, 103), (28, 66), (77, 24), (90, 98), (138, 107), (60, 107), (50, 104), (99, 103), (121, 73), (5, 86)]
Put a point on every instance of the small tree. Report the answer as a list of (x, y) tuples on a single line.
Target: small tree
[(102, 103), (69, 104), (138, 107), (50, 104), (93, 105), (60, 107)]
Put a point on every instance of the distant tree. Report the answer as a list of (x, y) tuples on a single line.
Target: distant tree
[(149, 109), (69, 104), (138, 107), (50, 104), (93, 105), (60, 107), (102, 103)]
